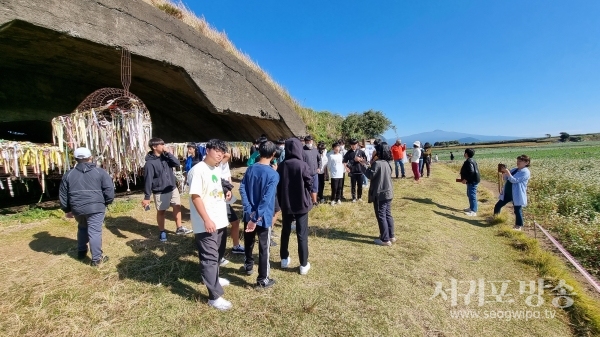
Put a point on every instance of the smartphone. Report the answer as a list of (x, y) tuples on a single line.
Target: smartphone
[(147, 208)]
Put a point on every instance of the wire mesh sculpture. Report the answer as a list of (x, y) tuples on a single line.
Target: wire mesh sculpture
[(113, 123)]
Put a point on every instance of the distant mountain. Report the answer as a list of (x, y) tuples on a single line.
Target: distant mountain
[(443, 136)]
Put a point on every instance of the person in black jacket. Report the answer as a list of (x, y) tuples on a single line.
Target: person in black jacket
[(312, 157), (293, 193), (159, 180), (84, 193), (469, 174), (354, 170)]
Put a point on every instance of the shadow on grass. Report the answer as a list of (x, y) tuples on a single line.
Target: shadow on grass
[(428, 201), (45, 242), (336, 234), (474, 222)]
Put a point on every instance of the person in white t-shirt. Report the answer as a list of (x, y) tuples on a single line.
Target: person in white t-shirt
[(208, 213), (336, 169)]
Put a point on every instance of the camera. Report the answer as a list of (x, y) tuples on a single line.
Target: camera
[(501, 167)]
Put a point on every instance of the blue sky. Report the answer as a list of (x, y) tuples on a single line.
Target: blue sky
[(512, 68)]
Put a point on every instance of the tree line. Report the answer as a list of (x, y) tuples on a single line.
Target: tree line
[(328, 126)]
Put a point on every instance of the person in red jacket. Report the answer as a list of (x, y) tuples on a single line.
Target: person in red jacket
[(398, 150)]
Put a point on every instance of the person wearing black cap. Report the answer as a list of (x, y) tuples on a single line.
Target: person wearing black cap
[(312, 157), (84, 193), (354, 170)]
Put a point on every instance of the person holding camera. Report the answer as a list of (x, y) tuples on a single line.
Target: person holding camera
[(469, 175), (159, 180), (515, 188)]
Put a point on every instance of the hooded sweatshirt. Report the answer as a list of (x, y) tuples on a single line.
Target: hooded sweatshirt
[(86, 189), (312, 157), (295, 180), (158, 173)]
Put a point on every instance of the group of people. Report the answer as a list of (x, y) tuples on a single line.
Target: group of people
[(286, 176), (514, 190)]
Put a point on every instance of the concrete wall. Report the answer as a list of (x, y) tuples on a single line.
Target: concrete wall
[(54, 53)]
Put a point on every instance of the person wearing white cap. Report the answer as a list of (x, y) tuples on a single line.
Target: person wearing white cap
[(416, 155), (84, 193)]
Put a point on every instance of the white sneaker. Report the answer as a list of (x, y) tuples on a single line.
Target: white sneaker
[(223, 262), (223, 282), (339, 202), (285, 263), (333, 203), (304, 270), (353, 200), (220, 304), (471, 213)]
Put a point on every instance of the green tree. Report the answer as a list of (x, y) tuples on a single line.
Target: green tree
[(548, 135), (369, 124), (352, 126), (374, 123), (564, 136)]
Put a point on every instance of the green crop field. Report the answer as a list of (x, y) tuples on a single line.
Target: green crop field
[(564, 191)]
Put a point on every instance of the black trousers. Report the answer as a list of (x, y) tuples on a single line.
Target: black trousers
[(223, 244), (343, 182), (356, 179), (208, 253), (336, 188), (301, 235), (321, 186), (264, 241)]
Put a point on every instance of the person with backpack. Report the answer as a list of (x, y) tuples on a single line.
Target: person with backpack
[(353, 167), (469, 175)]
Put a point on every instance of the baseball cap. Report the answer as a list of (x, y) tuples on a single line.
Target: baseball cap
[(82, 153), (308, 138)]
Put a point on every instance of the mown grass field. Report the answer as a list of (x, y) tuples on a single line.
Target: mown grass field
[(564, 192), (353, 289)]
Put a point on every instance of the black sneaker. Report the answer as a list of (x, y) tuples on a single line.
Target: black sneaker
[(102, 260), (264, 284), (81, 254), (249, 268)]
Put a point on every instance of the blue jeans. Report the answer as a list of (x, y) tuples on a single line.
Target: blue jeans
[(518, 210), (472, 195), (401, 163)]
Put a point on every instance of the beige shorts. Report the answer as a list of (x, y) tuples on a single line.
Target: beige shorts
[(163, 201)]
